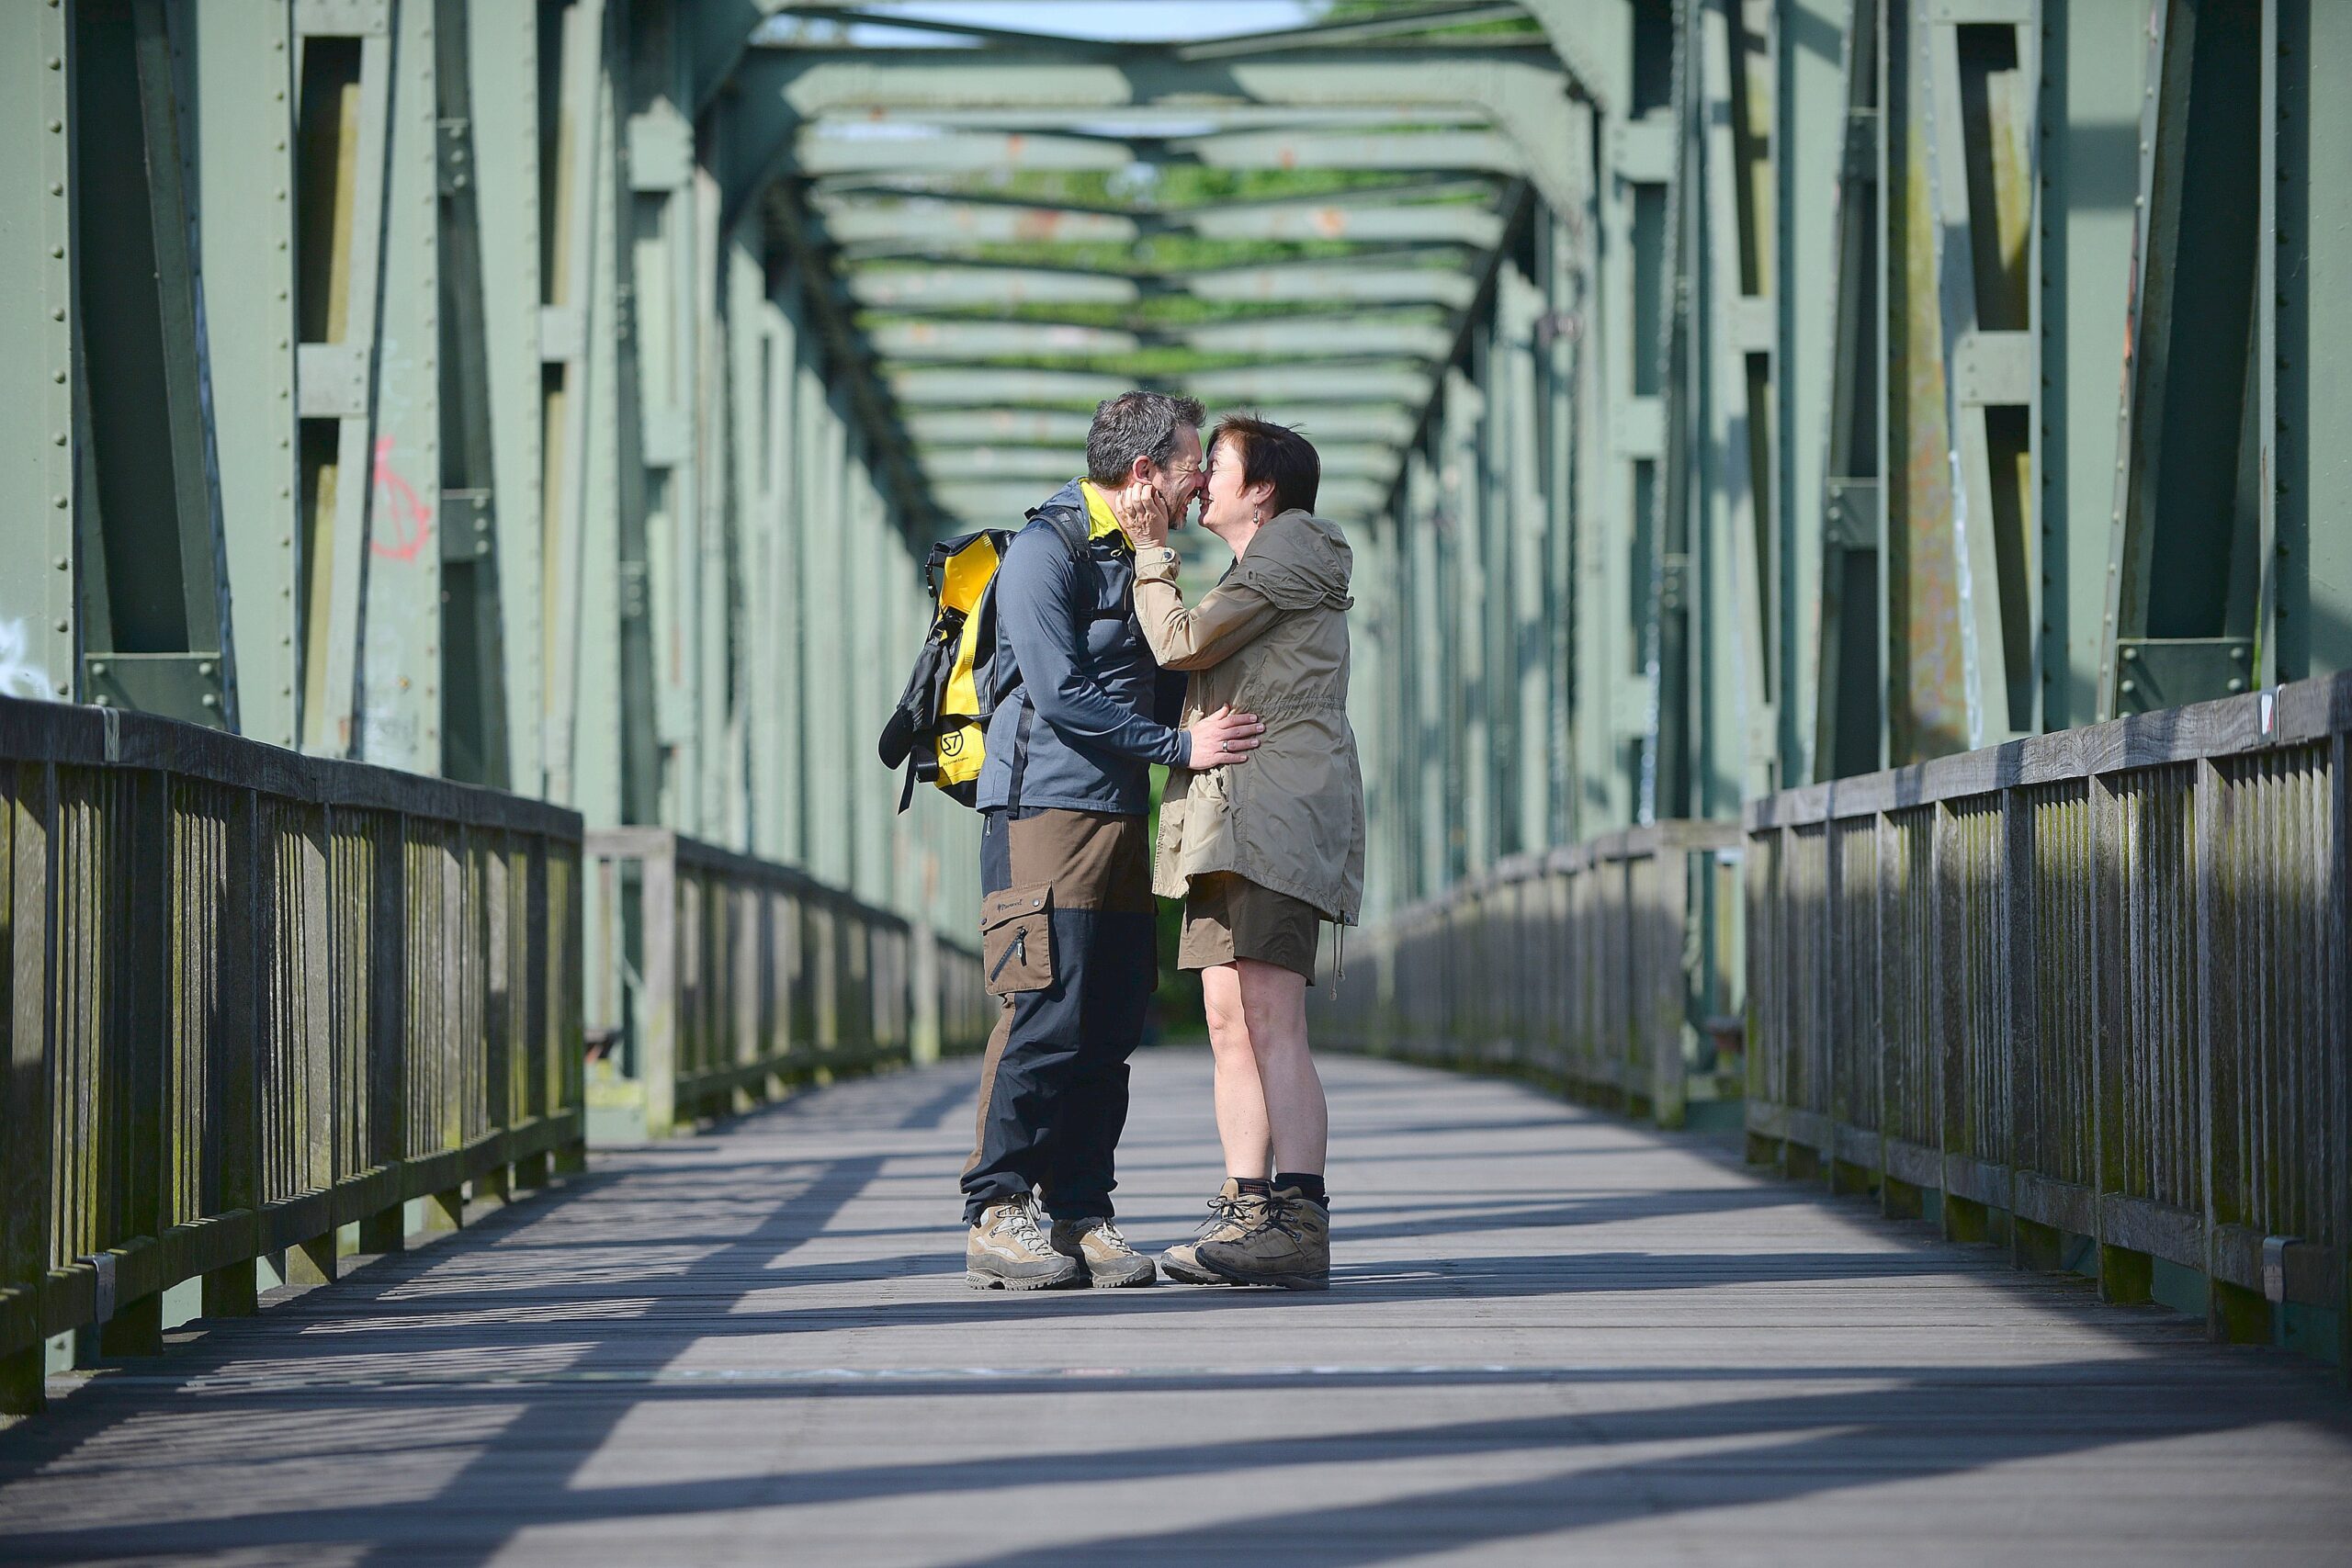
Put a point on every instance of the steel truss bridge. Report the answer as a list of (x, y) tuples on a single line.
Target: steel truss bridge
[(1853, 524)]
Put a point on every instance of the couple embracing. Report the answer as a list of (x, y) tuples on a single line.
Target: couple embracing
[(1243, 698)]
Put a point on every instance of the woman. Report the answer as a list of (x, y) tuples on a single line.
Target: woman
[(1262, 854)]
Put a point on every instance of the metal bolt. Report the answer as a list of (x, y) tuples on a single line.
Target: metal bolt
[(204, 667), (2235, 684), (210, 701), (2128, 688), (97, 667), (59, 501), (63, 624), (63, 564)]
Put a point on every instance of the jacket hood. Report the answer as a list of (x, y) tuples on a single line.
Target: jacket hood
[(1299, 561)]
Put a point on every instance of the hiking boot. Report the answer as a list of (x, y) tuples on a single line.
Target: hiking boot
[(1290, 1246), (1006, 1252), (1103, 1252), (1232, 1215)]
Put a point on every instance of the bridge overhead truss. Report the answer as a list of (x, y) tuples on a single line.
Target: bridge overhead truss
[(1722, 394)]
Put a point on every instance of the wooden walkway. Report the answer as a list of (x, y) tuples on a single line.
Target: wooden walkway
[(1552, 1335)]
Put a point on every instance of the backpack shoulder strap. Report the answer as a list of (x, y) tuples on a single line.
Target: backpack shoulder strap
[(1074, 535)]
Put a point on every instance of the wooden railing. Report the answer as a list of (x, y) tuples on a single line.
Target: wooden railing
[(251, 1000), (715, 980), (1611, 966), (2084, 994)]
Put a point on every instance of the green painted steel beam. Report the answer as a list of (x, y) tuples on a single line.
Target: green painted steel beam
[(955, 288), (991, 423), (1522, 90), (961, 388), (962, 286), (1413, 336), (940, 340), (1354, 282), (1399, 20), (38, 640), (1484, 151), (1400, 334), (816, 154), (995, 424), (1000, 504), (1347, 460), (1160, 122), (1274, 384), (1454, 223), (929, 226)]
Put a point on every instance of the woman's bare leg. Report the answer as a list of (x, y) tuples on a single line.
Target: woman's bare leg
[(1274, 1006), (1240, 1103)]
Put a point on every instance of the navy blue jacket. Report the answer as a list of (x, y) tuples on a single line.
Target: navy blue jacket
[(1092, 710)]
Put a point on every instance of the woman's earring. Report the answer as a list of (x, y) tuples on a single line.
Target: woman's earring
[(1257, 515)]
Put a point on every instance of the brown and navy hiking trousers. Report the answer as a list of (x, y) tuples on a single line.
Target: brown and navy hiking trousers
[(1066, 944)]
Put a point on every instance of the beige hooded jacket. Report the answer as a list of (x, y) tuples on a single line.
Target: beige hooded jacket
[(1270, 639)]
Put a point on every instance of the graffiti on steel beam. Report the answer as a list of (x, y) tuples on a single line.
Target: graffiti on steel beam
[(409, 521), (19, 676)]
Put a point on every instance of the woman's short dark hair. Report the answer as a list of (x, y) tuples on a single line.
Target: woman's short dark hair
[(1274, 454)]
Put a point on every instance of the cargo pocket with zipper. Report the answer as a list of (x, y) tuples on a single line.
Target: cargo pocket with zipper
[(1017, 939)]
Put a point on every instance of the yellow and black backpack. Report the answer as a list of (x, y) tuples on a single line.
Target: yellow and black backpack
[(938, 731)]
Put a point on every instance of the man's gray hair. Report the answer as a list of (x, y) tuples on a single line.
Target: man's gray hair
[(1136, 424)]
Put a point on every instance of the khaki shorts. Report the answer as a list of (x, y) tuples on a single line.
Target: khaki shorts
[(1226, 916)]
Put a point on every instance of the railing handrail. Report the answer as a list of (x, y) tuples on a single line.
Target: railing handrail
[(696, 1039), (33, 731), (2291, 714), (700, 853), (253, 998), (2112, 1011)]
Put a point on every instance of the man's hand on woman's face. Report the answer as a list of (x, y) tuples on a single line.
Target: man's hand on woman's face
[(1224, 738)]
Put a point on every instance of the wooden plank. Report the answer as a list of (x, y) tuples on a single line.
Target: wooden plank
[(1553, 1337)]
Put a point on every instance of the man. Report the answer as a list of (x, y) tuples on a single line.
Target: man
[(1066, 911)]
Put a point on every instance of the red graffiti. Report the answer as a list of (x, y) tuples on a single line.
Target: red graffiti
[(407, 522)]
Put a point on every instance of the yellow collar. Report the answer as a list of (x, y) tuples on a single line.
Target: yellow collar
[(1098, 511)]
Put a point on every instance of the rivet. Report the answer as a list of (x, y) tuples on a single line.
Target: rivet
[(210, 701), (59, 438), (57, 253), (57, 188), (63, 564), (57, 313), (59, 501), (55, 64), (63, 624), (204, 667)]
